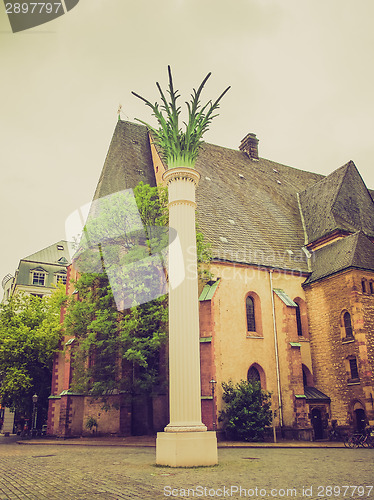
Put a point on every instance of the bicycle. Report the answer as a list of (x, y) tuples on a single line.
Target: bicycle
[(334, 435), (366, 440)]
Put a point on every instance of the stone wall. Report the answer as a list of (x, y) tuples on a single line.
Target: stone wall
[(327, 301)]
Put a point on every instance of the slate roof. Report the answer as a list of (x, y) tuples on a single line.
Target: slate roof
[(128, 161), (339, 201), (353, 251), (249, 209)]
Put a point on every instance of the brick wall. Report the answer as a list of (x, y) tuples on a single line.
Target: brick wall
[(207, 367)]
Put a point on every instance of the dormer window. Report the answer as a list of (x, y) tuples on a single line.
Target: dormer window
[(61, 278), (38, 278)]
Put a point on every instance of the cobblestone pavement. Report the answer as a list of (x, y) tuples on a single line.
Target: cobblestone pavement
[(110, 473)]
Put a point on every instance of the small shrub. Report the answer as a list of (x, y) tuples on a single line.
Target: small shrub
[(247, 410), (91, 422)]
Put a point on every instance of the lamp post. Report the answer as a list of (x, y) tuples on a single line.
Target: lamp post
[(34, 414), (212, 385)]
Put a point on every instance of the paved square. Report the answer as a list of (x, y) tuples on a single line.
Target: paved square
[(114, 472)]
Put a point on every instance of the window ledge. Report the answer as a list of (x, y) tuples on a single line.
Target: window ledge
[(254, 337), (348, 340), (353, 381)]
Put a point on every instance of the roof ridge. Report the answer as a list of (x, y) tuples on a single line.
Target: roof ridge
[(355, 237), (326, 177), (359, 184), (346, 167)]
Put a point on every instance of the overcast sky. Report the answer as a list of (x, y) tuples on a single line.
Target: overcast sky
[(301, 73)]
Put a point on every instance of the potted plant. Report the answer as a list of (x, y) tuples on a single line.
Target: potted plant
[(180, 147), (91, 422)]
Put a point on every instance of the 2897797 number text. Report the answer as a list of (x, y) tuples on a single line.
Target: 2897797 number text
[(344, 491), (33, 8)]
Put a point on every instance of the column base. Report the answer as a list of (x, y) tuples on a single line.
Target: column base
[(186, 449), (186, 428)]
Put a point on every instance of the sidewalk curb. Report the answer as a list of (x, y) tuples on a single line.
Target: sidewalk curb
[(152, 444)]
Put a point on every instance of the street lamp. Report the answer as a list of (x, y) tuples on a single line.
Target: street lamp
[(34, 413), (212, 385)]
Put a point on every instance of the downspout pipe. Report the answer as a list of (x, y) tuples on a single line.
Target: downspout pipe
[(276, 351)]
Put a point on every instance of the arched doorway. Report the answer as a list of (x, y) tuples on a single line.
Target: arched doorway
[(317, 423), (360, 419)]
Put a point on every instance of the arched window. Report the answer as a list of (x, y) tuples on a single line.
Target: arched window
[(371, 288), (251, 320), (298, 321), (363, 285), (256, 374), (307, 377), (301, 318), (347, 325)]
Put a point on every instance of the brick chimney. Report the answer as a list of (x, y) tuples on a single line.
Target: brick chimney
[(250, 146)]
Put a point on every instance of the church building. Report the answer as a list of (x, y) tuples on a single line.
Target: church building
[(291, 299)]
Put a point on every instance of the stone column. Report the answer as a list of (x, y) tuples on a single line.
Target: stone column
[(186, 441)]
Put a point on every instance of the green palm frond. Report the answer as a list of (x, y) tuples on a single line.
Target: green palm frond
[(181, 147)]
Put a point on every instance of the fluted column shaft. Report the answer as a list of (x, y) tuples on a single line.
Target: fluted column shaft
[(184, 347)]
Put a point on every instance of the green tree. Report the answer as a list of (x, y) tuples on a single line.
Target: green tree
[(247, 410), (30, 331), (107, 338), (120, 321)]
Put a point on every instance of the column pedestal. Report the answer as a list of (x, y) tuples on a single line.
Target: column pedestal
[(186, 449)]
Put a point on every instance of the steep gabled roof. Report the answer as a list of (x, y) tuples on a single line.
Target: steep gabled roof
[(339, 201), (128, 161), (353, 251), (248, 209)]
